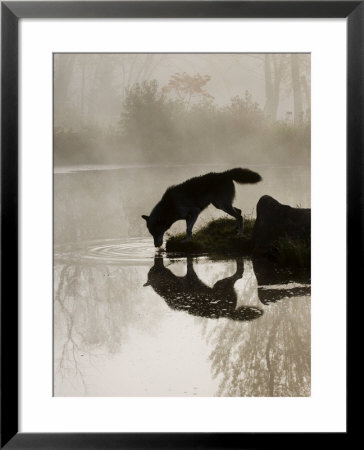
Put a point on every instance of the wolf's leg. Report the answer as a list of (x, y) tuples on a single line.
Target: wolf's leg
[(239, 268), (190, 221), (191, 274), (235, 212), (225, 287), (241, 226)]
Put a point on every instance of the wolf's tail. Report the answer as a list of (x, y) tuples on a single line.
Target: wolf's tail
[(242, 175)]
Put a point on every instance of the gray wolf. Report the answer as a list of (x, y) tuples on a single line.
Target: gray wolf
[(191, 295), (185, 201)]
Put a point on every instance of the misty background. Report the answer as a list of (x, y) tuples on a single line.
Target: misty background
[(127, 126), (142, 109)]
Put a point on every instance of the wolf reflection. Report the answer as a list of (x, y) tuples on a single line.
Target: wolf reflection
[(190, 294)]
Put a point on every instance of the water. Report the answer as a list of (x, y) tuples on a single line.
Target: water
[(132, 322), (102, 204)]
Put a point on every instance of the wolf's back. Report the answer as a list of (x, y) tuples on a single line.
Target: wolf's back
[(242, 175)]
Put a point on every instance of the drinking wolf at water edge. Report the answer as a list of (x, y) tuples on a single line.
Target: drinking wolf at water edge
[(185, 201)]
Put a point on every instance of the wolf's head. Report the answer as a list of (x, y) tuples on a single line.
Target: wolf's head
[(157, 227)]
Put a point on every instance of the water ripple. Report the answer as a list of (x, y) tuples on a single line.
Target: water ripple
[(110, 251)]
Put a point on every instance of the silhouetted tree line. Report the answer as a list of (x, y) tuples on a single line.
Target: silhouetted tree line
[(181, 123)]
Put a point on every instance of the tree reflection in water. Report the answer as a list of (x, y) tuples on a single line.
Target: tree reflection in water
[(255, 322), (265, 357), (94, 310), (273, 356)]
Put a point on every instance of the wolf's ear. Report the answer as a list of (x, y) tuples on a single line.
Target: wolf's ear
[(145, 217), (146, 284)]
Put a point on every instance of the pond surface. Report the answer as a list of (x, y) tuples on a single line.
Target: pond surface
[(103, 204), (130, 321)]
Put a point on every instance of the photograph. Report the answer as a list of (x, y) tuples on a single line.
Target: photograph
[(181, 224)]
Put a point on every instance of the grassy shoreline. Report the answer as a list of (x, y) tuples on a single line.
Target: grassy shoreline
[(219, 238)]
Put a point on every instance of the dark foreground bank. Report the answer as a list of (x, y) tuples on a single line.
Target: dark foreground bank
[(280, 233), (218, 238)]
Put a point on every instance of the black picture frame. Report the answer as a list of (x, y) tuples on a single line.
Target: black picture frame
[(11, 12)]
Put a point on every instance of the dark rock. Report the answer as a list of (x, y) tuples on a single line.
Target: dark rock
[(275, 221), (274, 281)]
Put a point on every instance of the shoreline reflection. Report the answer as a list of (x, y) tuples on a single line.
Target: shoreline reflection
[(232, 327)]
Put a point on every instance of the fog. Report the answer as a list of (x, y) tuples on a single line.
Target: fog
[(130, 321), (181, 108), (104, 204)]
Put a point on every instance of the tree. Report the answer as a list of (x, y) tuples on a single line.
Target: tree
[(305, 80), (147, 117), (245, 113), (274, 69), (64, 66), (88, 88), (296, 88), (188, 87)]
